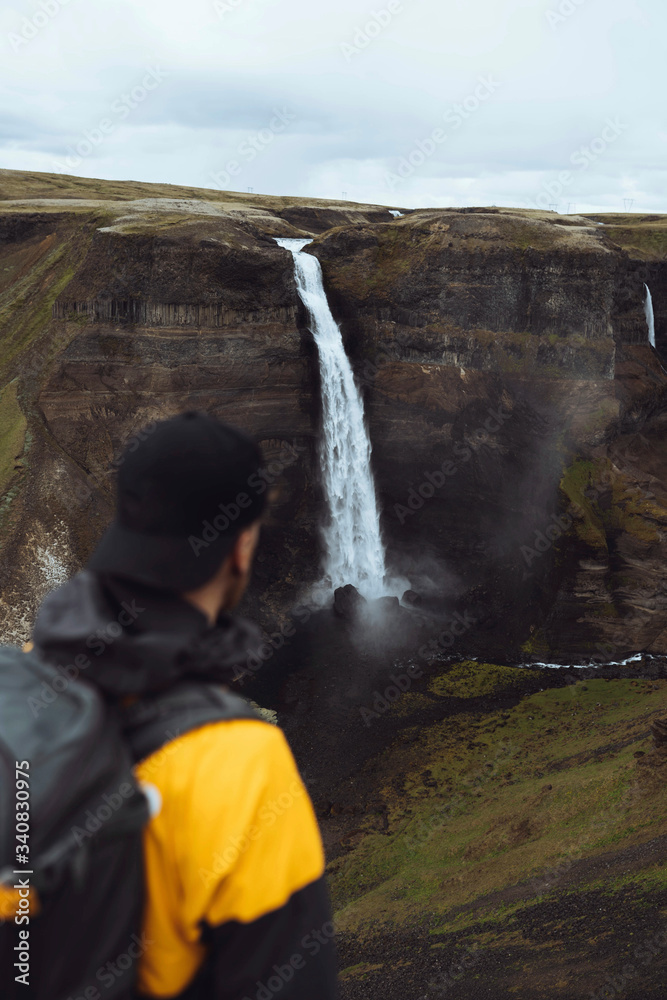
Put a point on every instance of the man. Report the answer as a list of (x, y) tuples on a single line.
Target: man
[(236, 904)]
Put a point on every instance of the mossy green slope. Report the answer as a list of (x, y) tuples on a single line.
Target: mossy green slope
[(476, 805), (627, 509), (13, 426), (36, 277)]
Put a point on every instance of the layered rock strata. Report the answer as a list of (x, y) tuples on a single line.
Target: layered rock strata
[(516, 410)]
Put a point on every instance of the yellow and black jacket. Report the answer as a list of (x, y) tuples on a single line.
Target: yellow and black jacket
[(236, 905)]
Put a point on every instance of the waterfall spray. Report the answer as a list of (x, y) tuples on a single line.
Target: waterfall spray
[(354, 551), (650, 316)]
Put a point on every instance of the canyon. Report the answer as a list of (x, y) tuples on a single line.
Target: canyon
[(516, 409), (490, 825)]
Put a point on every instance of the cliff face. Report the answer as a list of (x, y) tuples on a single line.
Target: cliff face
[(513, 399), (167, 312), (504, 363)]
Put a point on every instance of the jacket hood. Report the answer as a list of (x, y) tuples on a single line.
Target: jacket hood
[(131, 639)]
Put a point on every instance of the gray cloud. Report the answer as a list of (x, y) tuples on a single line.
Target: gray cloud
[(363, 98)]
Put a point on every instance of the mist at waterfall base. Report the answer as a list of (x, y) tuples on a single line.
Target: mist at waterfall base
[(354, 552)]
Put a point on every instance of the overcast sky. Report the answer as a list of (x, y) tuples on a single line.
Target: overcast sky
[(399, 102)]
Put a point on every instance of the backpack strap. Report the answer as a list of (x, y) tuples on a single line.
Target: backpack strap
[(151, 723)]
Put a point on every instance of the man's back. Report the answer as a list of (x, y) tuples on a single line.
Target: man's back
[(233, 859), (236, 903)]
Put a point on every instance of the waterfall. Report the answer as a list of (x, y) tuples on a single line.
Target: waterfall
[(650, 316), (354, 551)]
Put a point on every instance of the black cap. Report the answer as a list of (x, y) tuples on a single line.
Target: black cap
[(186, 488)]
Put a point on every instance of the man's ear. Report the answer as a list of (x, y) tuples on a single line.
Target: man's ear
[(243, 552)]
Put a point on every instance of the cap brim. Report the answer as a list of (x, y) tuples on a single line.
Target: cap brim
[(159, 560)]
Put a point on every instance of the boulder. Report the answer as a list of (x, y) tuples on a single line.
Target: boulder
[(348, 602), (388, 605)]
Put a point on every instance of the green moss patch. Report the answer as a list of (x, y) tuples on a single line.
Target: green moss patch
[(27, 302), (578, 484), (626, 508), (475, 680), (13, 426), (634, 513)]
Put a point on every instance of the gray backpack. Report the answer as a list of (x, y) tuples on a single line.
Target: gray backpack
[(71, 820)]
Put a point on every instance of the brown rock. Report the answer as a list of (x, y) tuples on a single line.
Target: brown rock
[(348, 602), (486, 342)]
